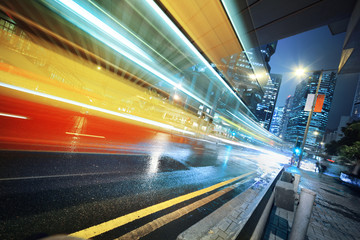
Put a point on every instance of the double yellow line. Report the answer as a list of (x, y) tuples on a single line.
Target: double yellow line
[(120, 221)]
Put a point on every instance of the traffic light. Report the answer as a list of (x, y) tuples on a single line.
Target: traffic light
[(297, 149)]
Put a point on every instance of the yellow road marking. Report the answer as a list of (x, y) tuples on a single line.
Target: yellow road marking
[(161, 221), (120, 221)]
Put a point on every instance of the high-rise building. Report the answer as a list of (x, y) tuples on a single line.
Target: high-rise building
[(355, 112), (298, 117), (265, 109), (242, 73), (286, 117), (277, 121)]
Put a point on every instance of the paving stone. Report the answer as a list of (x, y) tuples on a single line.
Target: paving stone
[(238, 213), (224, 224), (222, 234), (234, 214), (232, 228)]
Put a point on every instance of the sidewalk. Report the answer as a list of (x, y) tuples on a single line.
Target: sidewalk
[(335, 215)]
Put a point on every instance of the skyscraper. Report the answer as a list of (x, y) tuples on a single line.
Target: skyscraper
[(298, 117), (247, 82), (355, 112), (265, 109), (277, 121), (286, 117)]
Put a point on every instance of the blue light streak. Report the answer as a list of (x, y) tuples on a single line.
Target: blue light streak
[(99, 26)]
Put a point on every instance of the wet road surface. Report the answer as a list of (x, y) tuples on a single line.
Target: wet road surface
[(62, 193)]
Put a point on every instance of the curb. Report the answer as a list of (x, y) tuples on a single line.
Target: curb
[(236, 219)]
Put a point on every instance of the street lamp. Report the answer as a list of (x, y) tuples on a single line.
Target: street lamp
[(302, 72)]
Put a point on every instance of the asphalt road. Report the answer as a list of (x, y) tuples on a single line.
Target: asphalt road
[(46, 193)]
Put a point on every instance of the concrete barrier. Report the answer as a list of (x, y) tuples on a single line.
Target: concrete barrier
[(285, 195), (287, 177)]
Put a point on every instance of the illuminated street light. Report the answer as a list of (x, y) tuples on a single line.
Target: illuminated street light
[(316, 133), (300, 72), (176, 97)]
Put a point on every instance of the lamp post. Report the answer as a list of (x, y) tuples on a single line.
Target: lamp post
[(300, 72)]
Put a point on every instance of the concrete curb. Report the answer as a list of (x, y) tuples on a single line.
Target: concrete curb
[(237, 218)]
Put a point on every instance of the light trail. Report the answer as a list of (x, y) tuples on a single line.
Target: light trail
[(84, 135), (78, 11), (12, 115), (133, 34), (123, 115)]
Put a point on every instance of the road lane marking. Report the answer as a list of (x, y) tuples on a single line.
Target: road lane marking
[(161, 221), (120, 221)]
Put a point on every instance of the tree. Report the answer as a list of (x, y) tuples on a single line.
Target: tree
[(351, 134), (352, 154), (332, 148), (348, 147)]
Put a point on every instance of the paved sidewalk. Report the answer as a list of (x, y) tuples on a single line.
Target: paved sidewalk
[(335, 215)]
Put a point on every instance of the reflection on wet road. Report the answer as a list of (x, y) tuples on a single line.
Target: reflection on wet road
[(51, 193)]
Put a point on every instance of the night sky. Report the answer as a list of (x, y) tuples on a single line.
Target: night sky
[(316, 49)]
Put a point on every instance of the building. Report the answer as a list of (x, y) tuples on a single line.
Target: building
[(286, 117), (298, 117), (265, 109), (355, 112), (344, 121), (240, 75), (277, 121), (338, 134), (245, 72)]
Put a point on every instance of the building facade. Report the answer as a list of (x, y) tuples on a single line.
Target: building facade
[(298, 117), (265, 109), (355, 112), (277, 121), (243, 73), (286, 117)]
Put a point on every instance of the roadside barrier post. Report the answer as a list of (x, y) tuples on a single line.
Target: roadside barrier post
[(302, 215)]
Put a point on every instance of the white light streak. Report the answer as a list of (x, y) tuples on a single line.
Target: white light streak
[(251, 125), (101, 25), (12, 115), (84, 135)]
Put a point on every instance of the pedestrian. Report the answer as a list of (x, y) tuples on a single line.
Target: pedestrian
[(323, 165), (317, 166)]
